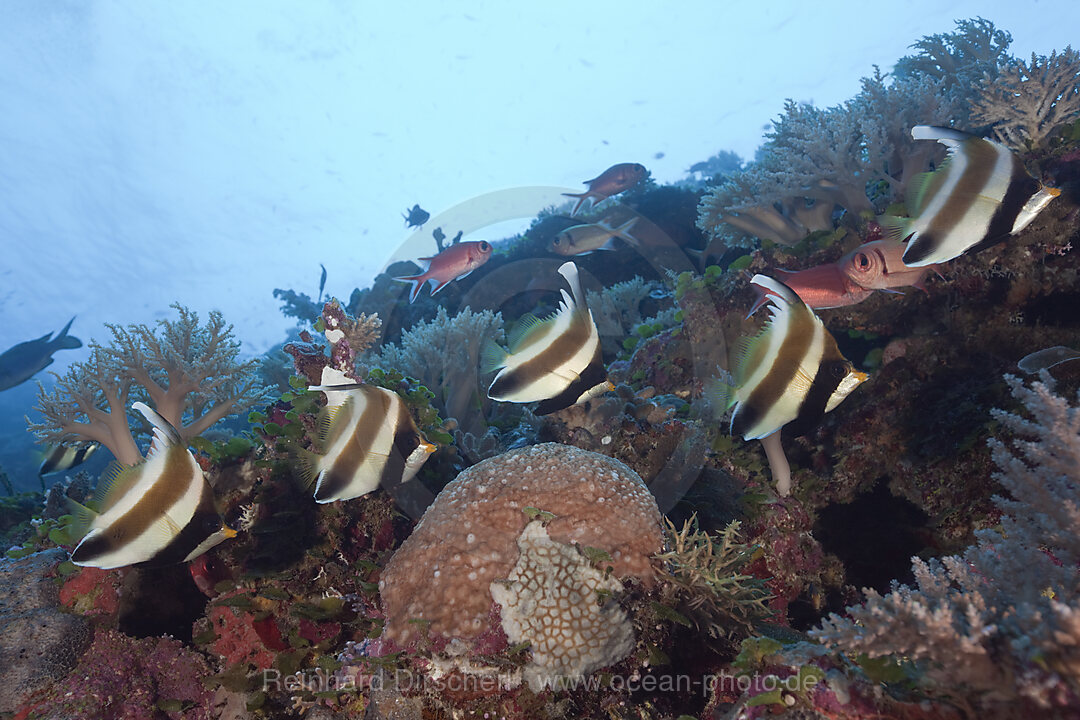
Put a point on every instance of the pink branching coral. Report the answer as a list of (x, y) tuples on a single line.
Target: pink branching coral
[(189, 373), (1002, 622)]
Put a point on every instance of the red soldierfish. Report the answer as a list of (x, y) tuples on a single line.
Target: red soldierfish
[(453, 263), (851, 279), (610, 182)]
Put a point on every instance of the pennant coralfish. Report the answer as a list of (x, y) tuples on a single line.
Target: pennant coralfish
[(556, 362), (979, 196), (159, 512), (791, 373), (369, 438)]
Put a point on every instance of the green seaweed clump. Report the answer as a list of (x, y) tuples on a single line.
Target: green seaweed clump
[(706, 585)]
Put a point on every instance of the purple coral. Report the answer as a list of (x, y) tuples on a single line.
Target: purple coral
[(121, 677)]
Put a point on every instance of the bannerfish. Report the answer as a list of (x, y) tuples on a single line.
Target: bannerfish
[(368, 438), (416, 217), (556, 361), (59, 458), (612, 181), (872, 266), (453, 263), (979, 196), (791, 373), (159, 512), (583, 239), (21, 362)]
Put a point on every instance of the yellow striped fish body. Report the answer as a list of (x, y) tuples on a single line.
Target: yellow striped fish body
[(157, 513), (792, 372), (59, 458), (556, 362), (369, 439), (979, 196)]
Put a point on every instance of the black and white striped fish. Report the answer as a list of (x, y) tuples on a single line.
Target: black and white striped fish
[(159, 512), (791, 373), (979, 196), (59, 458), (557, 361), (368, 438)]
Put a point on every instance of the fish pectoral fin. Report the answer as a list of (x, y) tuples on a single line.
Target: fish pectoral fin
[(492, 357), (307, 466), (801, 382), (895, 228), (83, 518)]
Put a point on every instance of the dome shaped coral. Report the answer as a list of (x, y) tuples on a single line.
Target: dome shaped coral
[(468, 538)]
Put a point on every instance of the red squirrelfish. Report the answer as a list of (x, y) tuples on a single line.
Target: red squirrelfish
[(453, 263), (851, 279), (610, 182)]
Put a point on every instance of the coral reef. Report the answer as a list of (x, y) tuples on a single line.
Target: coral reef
[(189, 373), (443, 354), (468, 537), (998, 624), (38, 642), (120, 677), (1027, 102), (564, 608)]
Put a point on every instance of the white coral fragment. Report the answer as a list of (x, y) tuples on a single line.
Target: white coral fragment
[(552, 600)]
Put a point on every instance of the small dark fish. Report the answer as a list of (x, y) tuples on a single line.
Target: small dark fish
[(439, 236), (610, 182), (18, 364), (416, 217)]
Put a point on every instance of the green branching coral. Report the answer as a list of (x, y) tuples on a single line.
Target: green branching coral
[(189, 372), (704, 581)]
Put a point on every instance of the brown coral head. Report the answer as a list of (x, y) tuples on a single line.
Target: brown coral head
[(468, 538)]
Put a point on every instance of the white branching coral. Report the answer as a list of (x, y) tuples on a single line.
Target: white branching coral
[(1008, 607), (555, 600), (189, 373), (1025, 103), (617, 308), (444, 353), (858, 155)]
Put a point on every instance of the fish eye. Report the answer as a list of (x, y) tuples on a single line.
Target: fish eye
[(862, 260), (839, 371), (484, 247)]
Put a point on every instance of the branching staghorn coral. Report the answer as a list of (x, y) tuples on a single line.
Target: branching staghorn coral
[(1025, 103), (617, 308), (189, 373), (1001, 622), (703, 575), (444, 353), (961, 58), (858, 155)]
